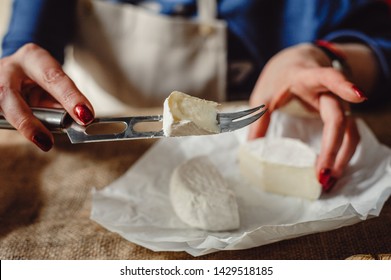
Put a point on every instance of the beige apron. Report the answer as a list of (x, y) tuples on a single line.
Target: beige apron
[(125, 55)]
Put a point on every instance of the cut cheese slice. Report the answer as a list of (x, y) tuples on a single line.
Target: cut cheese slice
[(284, 166), (201, 198), (187, 115)]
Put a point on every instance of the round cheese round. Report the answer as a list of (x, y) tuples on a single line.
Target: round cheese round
[(201, 198), (284, 166)]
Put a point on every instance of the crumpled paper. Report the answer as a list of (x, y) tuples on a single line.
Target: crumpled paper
[(137, 205)]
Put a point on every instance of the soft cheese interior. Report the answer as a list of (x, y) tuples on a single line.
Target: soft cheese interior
[(201, 198), (187, 115), (284, 166)]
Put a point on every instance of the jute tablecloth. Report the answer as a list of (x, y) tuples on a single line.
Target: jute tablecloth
[(45, 202)]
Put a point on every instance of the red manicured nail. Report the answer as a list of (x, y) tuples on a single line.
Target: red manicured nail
[(43, 141), (324, 175), (359, 92), (84, 114), (329, 184), (326, 179)]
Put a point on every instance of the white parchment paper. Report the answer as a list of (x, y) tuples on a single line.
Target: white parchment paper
[(137, 205)]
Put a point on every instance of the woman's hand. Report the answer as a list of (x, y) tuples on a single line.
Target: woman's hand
[(305, 72), (33, 78)]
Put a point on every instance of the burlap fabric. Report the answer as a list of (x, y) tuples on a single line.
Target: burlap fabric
[(45, 202)]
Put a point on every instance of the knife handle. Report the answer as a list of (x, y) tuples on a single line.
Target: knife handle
[(54, 119)]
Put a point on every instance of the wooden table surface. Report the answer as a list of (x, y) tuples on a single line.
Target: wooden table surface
[(45, 203)]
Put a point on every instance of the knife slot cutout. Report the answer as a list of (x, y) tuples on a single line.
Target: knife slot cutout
[(148, 126), (106, 128)]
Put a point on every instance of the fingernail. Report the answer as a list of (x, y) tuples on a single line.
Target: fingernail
[(359, 92), (43, 141), (84, 113), (326, 179)]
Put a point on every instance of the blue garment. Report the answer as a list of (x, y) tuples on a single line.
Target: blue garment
[(258, 29), (47, 23)]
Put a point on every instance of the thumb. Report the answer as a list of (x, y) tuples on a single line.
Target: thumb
[(259, 127)]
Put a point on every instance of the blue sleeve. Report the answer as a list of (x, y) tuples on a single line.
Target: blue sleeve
[(370, 25), (47, 23), (265, 27), (364, 21)]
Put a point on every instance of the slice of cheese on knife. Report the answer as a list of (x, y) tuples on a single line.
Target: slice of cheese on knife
[(187, 115)]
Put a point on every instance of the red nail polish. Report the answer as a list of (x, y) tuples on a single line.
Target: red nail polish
[(359, 93), (324, 175), (43, 141), (326, 179), (330, 184), (84, 114)]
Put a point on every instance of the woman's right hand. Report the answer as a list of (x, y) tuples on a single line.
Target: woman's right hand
[(31, 77), (304, 72)]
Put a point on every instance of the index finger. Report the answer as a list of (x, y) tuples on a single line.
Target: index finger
[(259, 127), (334, 81), (41, 67)]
